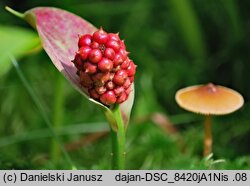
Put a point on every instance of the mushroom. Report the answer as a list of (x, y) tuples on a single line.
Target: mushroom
[(209, 100)]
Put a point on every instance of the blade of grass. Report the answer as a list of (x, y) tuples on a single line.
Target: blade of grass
[(71, 129), (190, 28), (58, 112), (41, 110), (231, 7)]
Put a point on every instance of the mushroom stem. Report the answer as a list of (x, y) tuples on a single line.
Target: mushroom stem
[(208, 136)]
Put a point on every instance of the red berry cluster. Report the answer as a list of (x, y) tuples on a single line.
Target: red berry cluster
[(104, 67)]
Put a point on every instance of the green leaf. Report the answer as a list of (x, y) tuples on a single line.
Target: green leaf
[(17, 42)]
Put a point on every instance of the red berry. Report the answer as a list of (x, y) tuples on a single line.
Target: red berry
[(94, 45), (84, 40), (131, 69), (95, 55), (101, 78), (122, 44), (84, 52), (122, 98), (127, 83), (78, 62), (128, 90), (113, 44), (86, 81), (100, 36), (109, 53), (100, 90), (118, 90), (123, 53), (113, 36), (90, 68), (120, 77), (110, 85), (93, 94), (125, 63), (105, 65), (118, 59), (108, 98)]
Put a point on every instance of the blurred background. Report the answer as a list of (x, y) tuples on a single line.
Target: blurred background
[(175, 43)]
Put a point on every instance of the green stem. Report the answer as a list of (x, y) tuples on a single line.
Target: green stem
[(118, 141), (58, 111), (16, 13)]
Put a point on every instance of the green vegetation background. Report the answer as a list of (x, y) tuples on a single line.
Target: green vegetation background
[(175, 43)]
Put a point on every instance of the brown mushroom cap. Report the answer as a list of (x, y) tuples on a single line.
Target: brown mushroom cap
[(209, 99)]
